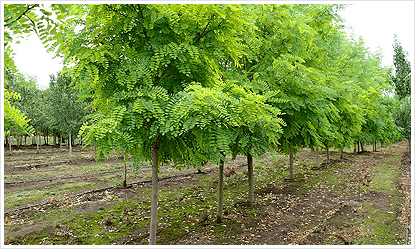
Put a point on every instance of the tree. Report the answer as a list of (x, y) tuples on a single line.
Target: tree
[(66, 111), (402, 82), (402, 66), (136, 76)]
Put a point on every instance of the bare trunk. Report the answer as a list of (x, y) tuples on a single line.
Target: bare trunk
[(220, 195), (25, 143), (54, 137), (358, 146), (373, 146), (341, 153), (317, 158), (125, 173), (10, 142), (250, 181), (60, 143), (291, 164), (362, 146), (327, 153), (37, 143), (70, 144), (154, 195)]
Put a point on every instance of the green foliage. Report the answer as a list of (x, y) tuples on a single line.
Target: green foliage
[(402, 77)]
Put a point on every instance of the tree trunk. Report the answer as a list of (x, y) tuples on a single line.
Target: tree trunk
[(358, 146), (47, 137), (25, 137), (341, 153), (317, 158), (291, 164), (7, 141), (250, 181), (409, 145), (37, 143), (373, 145), (54, 137), (124, 183), (10, 142), (362, 146), (154, 182), (220, 195), (70, 144), (327, 153), (60, 143)]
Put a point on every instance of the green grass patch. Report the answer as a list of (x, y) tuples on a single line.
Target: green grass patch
[(18, 198), (381, 226)]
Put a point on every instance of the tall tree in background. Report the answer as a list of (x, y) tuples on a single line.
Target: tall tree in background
[(402, 82), (66, 110), (402, 78)]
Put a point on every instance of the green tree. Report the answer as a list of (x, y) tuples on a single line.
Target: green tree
[(66, 111), (402, 66), (138, 62)]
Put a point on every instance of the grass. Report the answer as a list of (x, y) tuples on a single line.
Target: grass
[(182, 209), (380, 227), (18, 198)]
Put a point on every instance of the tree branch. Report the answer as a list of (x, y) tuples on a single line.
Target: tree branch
[(24, 13)]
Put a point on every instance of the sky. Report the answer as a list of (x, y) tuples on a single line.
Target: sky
[(375, 21)]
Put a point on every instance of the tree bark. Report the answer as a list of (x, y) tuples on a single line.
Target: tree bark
[(341, 153), (7, 141), (291, 164), (124, 183), (327, 153), (220, 195), (70, 144), (362, 146), (154, 195), (250, 181), (37, 143), (60, 143), (317, 158), (54, 137), (10, 141), (358, 146)]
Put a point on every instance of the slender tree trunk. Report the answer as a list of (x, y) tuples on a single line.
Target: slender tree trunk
[(124, 183), (373, 145), (362, 146), (154, 195), (54, 137), (25, 143), (10, 142), (291, 164), (60, 143), (341, 153), (358, 146), (47, 137), (250, 181), (317, 158), (327, 153), (37, 143), (70, 144), (6, 138), (220, 195)]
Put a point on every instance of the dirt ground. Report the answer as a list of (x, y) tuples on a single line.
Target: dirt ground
[(287, 213)]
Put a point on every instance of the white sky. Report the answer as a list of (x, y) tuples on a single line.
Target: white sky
[(375, 21)]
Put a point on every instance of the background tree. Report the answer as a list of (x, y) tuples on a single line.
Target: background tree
[(66, 111), (402, 82), (402, 72)]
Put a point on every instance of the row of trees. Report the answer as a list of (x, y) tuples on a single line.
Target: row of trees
[(194, 83), (55, 111)]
